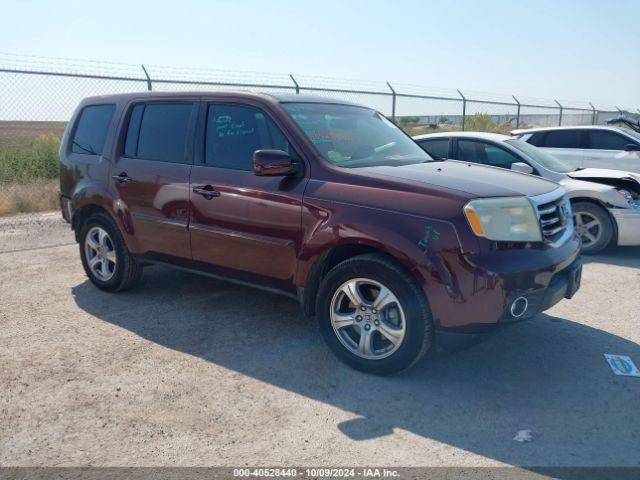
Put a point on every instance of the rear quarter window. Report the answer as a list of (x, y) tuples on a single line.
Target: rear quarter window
[(91, 129), (159, 131)]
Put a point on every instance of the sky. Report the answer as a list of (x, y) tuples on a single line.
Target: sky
[(571, 50)]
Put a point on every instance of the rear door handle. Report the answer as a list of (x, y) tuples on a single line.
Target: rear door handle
[(208, 192), (122, 177)]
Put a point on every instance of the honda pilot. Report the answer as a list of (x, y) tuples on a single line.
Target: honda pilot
[(322, 200)]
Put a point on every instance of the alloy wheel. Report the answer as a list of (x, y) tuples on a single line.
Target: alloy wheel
[(588, 227), (100, 254), (367, 318)]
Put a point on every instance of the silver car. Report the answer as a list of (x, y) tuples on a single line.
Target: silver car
[(590, 146), (605, 203)]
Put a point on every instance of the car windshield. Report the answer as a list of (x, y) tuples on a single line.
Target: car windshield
[(352, 136), (545, 159)]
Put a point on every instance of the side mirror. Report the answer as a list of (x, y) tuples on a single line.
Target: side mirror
[(521, 167), (272, 163), (632, 147)]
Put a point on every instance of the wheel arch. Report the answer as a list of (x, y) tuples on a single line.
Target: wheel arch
[(83, 213), (331, 257)]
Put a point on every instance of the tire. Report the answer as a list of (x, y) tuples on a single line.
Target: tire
[(599, 235), (407, 318), (114, 269)]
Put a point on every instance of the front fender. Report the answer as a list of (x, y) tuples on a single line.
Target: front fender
[(416, 242), (603, 194)]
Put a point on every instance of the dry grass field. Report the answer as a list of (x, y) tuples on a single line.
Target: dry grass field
[(23, 134), (29, 166), (36, 196)]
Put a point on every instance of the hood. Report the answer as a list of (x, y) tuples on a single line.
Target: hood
[(594, 174), (613, 178), (474, 180)]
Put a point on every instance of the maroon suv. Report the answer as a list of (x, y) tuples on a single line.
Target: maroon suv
[(322, 200)]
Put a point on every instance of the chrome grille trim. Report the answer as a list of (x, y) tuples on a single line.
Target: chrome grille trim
[(553, 211)]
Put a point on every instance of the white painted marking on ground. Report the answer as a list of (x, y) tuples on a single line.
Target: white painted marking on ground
[(622, 365)]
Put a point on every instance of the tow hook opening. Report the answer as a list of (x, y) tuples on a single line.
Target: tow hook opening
[(519, 307)]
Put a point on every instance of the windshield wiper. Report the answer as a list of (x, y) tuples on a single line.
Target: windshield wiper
[(89, 149), (578, 169)]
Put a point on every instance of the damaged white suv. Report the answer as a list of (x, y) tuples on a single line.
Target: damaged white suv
[(605, 203)]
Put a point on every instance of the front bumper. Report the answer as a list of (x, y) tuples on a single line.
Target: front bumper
[(563, 284), (481, 289), (627, 224)]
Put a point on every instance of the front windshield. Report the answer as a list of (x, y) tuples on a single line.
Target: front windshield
[(545, 159), (351, 136)]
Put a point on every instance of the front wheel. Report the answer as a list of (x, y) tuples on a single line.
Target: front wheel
[(373, 315), (593, 225)]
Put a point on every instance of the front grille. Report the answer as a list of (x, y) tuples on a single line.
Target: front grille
[(554, 215)]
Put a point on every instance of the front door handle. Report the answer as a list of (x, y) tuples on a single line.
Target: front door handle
[(208, 192), (122, 177)]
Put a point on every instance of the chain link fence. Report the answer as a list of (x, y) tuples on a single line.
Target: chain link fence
[(38, 96)]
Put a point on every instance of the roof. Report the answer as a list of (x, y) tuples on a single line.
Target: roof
[(285, 97), (565, 127), (496, 137)]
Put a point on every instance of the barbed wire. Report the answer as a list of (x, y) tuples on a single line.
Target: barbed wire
[(171, 73)]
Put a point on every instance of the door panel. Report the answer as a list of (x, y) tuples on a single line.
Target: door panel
[(606, 149), (252, 226), (151, 177), (243, 225), (156, 200), (613, 159)]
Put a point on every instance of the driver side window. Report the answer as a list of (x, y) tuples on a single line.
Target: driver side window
[(234, 132), (499, 157)]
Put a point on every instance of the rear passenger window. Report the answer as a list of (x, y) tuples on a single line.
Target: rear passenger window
[(159, 132), (91, 130), (469, 151), (605, 140), (234, 132), (562, 139), (436, 148)]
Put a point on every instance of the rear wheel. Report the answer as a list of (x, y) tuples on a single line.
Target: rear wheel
[(373, 315), (593, 225), (105, 257)]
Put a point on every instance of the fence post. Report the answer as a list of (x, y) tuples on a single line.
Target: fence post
[(518, 115), (560, 118), (146, 74), (393, 103), (594, 114), (296, 84), (464, 108)]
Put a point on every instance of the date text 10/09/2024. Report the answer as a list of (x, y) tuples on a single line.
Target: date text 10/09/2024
[(316, 472)]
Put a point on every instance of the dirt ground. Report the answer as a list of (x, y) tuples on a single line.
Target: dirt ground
[(185, 370)]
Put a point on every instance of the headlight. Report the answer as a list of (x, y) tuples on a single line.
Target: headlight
[(628, 196), (511, 219)]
